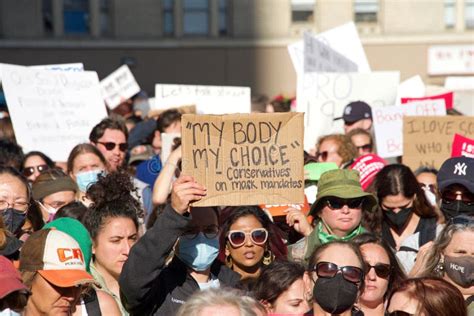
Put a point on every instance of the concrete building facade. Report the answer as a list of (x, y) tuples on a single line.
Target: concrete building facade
[(224, 42)]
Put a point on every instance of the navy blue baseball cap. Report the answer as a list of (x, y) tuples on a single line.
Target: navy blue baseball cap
[(457, 170), (356, 111)]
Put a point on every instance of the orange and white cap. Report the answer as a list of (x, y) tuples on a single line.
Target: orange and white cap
[(56, 256)]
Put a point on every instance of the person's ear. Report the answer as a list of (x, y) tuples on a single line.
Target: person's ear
[(227, 251), (267, 306)]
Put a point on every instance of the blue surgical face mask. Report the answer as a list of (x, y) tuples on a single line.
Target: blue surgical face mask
[(198, 253), (87, 178)]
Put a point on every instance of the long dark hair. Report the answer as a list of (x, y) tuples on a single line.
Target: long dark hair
[(399, 179), (397, 275), (49, 162), (230, 215)]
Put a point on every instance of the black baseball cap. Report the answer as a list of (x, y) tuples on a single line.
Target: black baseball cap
[(356, 111), (457, 170)]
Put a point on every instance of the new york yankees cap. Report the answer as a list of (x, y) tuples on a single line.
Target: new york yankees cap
[(457, 170)]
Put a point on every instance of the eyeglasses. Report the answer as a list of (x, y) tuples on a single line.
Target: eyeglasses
[(335, 203), (382, 270), (20, 206), (451, 196), (323, 155), (430, 187), (210, 232), (329, 270), (365, 148), (28, 171), (400, 313), (111, 146), (237, 238)]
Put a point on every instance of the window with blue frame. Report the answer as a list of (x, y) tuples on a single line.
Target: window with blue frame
[(76, 17)]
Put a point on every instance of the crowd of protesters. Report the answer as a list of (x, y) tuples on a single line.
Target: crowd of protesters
[(112, 231)]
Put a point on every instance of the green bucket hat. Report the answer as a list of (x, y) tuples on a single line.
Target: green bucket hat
[(342, 183), (76, 230)]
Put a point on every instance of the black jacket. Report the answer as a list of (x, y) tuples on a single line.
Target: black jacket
[(147, 286)]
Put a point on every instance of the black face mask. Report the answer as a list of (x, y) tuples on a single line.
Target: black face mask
[(398, 220), (13, 219), (335, 295), (452, 209), (460, 270)]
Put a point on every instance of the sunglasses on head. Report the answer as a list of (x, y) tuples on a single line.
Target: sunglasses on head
[(28, 171), (451, 196), (335, 203), (329, 270), (382, 270), (400, 313), (111, 146), (365, 148), (237, 238)]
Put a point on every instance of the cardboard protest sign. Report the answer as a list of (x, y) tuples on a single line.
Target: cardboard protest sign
[(73, 67), (119, 86), (319, 57), (451, 60), (462, 146), (52, 111), (344, 39), (447, 97), (388, 124), (323, 96), (428, 140), (207, 99), (280, 210), (245, 159)]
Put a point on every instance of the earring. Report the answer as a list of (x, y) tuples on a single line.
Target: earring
[(267, 257), (228, 262), (439, 269)]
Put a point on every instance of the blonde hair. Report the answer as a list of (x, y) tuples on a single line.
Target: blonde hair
[(346, 148), (246, 305)]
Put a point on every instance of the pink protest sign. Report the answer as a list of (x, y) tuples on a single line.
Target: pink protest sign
[(462, 146), (447, 97), (368, 167)]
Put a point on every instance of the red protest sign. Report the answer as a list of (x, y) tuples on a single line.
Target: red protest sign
[(448, 99), (462, 146)]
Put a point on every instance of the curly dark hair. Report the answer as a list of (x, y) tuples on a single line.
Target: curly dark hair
[(107, 123), (231, 214), (11, 154), (112, 197)]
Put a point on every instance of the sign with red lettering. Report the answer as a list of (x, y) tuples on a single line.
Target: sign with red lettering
[(447, 97), (429, 140), (462, 146), (388, 124), (245, 159)]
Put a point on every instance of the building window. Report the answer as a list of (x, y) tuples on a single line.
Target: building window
[(302, 10), (105, 23), (223, 20), (168, 17), (469, 14), (449, 13), (196, 17), (365, 11), (76, 17)]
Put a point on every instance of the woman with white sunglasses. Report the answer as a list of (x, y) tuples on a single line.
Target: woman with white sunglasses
[(249, 240)]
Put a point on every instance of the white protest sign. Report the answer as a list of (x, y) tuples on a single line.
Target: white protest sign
[(119, 86), (52, 111), (323, 96), (167, 140), (344, 39), (388, 123), (411, 88), (451, 60), (318, 57), (73, 67), (208, 99), (459, 83)]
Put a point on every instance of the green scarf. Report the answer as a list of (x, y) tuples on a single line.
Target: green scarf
[(325, 237)]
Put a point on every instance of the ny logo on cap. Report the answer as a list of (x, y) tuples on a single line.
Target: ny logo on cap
[(460, 169), (348, 110)]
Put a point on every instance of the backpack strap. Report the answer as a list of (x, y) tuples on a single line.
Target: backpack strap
[(92, 303)]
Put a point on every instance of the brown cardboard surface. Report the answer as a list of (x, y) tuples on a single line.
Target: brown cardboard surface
[(427, 140), (245, 159)]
